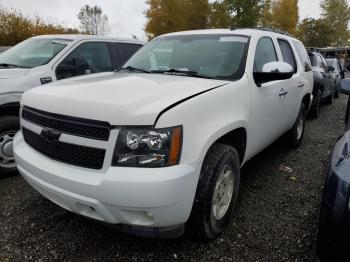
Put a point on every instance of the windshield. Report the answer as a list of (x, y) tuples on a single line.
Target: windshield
[(211, 56), (32, 52)]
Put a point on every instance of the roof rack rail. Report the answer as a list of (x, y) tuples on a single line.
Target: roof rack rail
[(316, 49), (268, 29)]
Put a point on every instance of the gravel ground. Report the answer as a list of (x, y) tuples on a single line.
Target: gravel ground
[(276, 219)]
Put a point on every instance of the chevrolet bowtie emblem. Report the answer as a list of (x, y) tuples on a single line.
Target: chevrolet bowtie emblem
[(50, 134)]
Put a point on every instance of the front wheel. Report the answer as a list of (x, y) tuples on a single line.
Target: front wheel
[(296, 133), (9, 126), (216, 193)]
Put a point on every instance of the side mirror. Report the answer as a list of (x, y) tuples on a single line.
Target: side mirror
[(345, 86), (273, 71), (73, 67)]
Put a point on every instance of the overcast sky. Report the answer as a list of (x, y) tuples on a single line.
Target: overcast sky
[(126, 17)]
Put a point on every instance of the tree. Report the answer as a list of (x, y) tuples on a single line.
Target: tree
[(315, 32), (245, 13), (219, 16), (336, 13), (92, 20), (196, 13), (15, 27), (285, 15), (266, 19), (164, 16)]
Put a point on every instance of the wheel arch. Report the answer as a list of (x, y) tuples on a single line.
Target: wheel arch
[(236, 137), (307, 101), (10, 109)]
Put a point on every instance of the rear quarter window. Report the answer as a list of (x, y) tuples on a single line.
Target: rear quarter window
[(287, 53), (303, 56)]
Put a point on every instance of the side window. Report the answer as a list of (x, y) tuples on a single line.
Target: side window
[(303, 55), (287, 53), (125, 51), (320, 62), (265, 53), (313, 59), (88, 58)]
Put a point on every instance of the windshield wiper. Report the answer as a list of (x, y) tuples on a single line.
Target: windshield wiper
[(8, 65), (133, 69), (181, 71)]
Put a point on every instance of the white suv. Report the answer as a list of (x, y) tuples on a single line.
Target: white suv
[(48, 58), (159, 144)]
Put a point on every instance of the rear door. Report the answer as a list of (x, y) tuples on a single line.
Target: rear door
[(293, 85)]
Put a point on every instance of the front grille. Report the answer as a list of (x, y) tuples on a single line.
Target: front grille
[(68, 153), (70, 125)]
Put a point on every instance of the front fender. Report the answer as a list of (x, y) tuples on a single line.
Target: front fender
[(10, 97), (209, 116)]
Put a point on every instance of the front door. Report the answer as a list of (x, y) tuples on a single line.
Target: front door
[(268, 99)]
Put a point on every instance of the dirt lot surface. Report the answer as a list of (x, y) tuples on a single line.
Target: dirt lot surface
[(276, 219)]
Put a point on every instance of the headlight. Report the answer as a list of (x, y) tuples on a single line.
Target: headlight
[(147, 147)]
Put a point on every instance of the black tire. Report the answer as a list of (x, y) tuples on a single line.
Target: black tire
[(202, 222), (8, 125), (293, 136), (329, 99), (315, 108)]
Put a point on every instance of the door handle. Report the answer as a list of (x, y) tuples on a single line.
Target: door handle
[(301, 85), (283, 93)]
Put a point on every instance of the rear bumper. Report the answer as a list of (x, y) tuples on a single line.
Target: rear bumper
[(151, 197)]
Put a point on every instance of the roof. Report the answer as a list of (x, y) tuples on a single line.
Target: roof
[(238, 31), (4, 48), (77, 37)]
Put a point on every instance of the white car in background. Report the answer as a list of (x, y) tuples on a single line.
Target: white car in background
[(158, 145), (48, 58)]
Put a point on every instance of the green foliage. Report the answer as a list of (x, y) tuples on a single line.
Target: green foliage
[(15, 27), (245, 13), (219, 15), (315, 32), (336, 13), (266, 14), (285, 15), (164, 16)]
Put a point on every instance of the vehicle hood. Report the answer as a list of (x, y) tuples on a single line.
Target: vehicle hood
[(118, 98), (11, 73)]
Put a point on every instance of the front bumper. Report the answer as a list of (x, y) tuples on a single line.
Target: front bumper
[(142, 197)]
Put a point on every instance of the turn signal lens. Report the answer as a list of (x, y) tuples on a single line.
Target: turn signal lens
[(175, 148)]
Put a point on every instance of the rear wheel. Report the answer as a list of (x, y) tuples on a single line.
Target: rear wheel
[(315, 108), (295, 135), (216, 193), (9, 126)]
